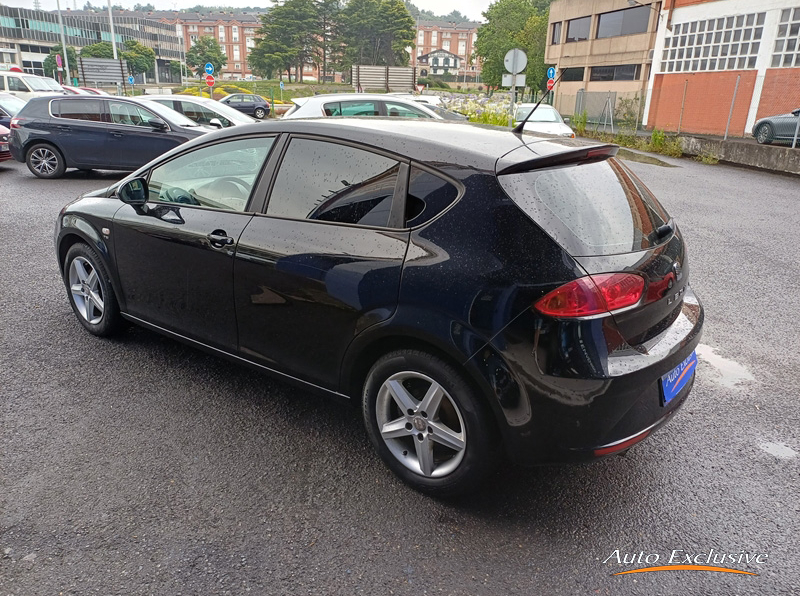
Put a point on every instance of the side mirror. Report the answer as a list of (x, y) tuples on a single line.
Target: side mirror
[(134, 192), (566, 120), (157, 123), (215, 122), (796, 112)]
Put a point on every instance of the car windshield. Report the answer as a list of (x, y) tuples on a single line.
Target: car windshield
[(52, 84), (38, 84), (170, 114), (542, 114), (11, 104)]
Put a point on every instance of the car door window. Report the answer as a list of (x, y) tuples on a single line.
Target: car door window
[(2, 83), (246, 99), (130, 114), (78, 109), (399, 110), (220, 176), (16, 84), (352, 108), (201, 114), (330, 182)]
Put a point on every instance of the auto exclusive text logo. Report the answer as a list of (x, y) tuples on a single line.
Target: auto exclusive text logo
[(680, 560)]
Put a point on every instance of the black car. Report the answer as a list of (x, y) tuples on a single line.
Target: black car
[(474, 291), (51, 134), (248, 103)]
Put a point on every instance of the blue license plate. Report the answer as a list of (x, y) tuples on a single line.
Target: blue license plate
[(676, 379)]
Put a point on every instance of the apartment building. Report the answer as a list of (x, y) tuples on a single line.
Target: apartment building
[(457, 39)]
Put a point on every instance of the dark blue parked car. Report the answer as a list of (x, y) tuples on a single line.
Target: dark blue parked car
[(10, 105), (51, 134), (248, 103)]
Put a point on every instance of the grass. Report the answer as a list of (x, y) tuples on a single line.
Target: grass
[(657, 142)]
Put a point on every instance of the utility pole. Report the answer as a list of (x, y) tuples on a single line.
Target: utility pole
[(64, 40), (111, 24)]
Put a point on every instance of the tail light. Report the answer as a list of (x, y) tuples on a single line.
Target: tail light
[(15, 122), (592, 295)]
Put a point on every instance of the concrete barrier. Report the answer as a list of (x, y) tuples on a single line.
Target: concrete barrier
[(776, 158)]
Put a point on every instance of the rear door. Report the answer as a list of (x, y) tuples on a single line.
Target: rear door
[(175, 254), (79, 128), (324, 263), (132, 141)]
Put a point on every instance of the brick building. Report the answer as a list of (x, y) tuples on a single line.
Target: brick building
[(456, 38)]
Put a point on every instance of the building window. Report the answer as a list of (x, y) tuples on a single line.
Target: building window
[(235, 33), (446, 45), (462, 47), (221, 33), (787, 42), (623, 72), (237, 66), (578, 29), (555, 37), (623, 22), (572, 74), (433, 37), (236, 55), (421, 37), (445, 34), (726, 43)]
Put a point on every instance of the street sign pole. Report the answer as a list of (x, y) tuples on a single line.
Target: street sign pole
[(513, 88), (515, 62)]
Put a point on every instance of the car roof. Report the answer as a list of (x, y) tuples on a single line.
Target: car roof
[(459, 143)]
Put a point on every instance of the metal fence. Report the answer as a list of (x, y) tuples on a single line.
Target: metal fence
[(725, 106)]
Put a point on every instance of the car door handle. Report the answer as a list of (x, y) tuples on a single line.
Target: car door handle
[(220, 239), (64, 128), (117, 134)]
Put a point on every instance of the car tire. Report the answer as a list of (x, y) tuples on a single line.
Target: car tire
[(260, 113), (90, 292), (45, 161), (764, 134), (446, 452)]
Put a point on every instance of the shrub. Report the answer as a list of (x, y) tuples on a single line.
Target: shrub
[(673, 147), (580, 123), (707, 157), (657, 139)]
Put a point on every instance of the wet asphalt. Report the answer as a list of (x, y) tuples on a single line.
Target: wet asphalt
[(140, 466)]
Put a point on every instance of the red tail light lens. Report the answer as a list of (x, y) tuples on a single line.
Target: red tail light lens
[(15, 122), (592, 295)]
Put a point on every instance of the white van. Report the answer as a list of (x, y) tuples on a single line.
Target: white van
[(25, 85)]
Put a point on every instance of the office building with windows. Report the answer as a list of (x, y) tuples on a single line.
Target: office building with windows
[(456, 39)]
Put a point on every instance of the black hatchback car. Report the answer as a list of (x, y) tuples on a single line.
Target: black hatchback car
[(51, 134), (474, 291)]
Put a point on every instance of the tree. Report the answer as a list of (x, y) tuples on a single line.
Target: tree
[(376, 32), (51, 65), (206, 49), (144, 7), (139, 57), (327, 17), (289, 36), (101, 49), (533, 39)]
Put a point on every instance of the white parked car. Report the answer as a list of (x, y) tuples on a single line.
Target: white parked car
[(202, 110), (358, 104), (25, 86), (545, 119), (433, 100)]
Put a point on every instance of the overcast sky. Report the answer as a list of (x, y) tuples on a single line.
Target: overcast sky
[(471, 8)]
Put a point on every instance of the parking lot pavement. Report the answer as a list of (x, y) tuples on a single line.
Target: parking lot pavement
[(140, 466)]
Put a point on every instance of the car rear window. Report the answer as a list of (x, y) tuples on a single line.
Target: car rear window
[(592, 209)]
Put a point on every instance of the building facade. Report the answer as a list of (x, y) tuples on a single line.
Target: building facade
[(456, 38), (26, 37), (439, 62)]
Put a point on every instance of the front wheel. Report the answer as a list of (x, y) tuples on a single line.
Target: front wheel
[(90, 293), (764, 134), (45, 161), (260, 113), (428, 424)]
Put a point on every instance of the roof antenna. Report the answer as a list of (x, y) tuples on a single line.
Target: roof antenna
[(518, 128)]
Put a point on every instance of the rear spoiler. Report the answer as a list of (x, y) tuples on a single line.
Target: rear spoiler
[(580, 155)]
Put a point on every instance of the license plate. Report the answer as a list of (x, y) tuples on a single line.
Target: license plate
[(676, 379)]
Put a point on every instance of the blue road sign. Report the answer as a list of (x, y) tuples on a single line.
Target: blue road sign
[(209, 68), (281, 84), (131, 80), (551, 73)]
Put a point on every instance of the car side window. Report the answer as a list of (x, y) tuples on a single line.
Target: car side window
[(16, 84), (247, 99), (201, 114), (2, 83), (326, 181), (219, 176), (78, 109), (129, 114), (403, 111), (428, 195)]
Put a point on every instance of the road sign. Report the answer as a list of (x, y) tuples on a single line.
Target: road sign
[(551, 73), (510, 80), (209, 68), (281, 85), (420, 88), (550, 84), (58, 60), (515, 61), (210, 80), (131, 80)]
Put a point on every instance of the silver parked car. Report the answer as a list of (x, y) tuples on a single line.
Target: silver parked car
[(776, 128), (202, 110), (360, 105)]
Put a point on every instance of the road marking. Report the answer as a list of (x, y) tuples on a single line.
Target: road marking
[(730, 373), (779, 450)]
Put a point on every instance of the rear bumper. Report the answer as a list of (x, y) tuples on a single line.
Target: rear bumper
[(554, 410)]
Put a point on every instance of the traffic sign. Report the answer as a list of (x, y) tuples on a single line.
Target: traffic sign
[(58, 60), (209, 68), (551, 73), (210, 80), (510, 80), (281, 85), (131, 79), (550, 84), (420, 88), (515, 61)]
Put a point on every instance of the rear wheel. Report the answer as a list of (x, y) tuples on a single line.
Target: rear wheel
[(764, 134), (260, 113), (90, 293), (428, 424), (45, 161)]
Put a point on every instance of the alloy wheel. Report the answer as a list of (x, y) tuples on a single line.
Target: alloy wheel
[(86, 291), (763, 134), (420, 424), (44, 161)]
